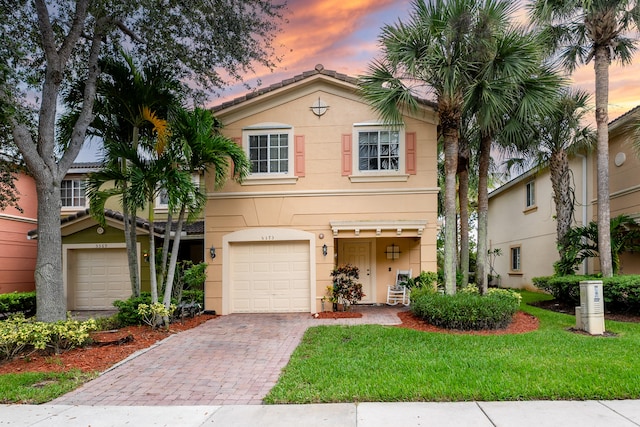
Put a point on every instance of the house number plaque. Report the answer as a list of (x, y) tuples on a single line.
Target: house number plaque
[(269, 237)]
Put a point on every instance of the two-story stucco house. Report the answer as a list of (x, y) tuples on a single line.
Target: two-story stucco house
[(330, 184), (521, 212)]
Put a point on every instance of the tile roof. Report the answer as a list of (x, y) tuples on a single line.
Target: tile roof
[(195, 228), (318, 70)]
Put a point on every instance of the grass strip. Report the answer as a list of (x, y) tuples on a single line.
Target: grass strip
[(388, 364), (36, 388)]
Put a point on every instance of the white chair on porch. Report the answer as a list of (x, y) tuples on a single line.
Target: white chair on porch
[(398, 293)]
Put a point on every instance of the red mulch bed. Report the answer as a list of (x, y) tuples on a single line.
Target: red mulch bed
[(104, 353), (522, 322)]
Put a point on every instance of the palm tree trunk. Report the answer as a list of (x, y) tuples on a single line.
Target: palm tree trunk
[(130, 230), (171, 271), (152, 258), (463, 201), (483, 210), (561, 184), (601, 66), (166, 242), (450, 226)]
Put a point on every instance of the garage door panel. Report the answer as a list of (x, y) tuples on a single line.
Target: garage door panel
[(278, 280), (97, 277)]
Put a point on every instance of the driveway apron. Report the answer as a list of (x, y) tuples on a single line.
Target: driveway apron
[(231, 360)]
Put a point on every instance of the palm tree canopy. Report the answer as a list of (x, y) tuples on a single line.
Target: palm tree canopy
[(576, 28)]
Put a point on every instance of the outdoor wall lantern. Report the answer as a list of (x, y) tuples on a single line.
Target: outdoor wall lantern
[(212, 252), (393, 251), (324, 249)]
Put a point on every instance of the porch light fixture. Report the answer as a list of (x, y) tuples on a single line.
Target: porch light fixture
[(212, 252), (393, 251), (324, 249)]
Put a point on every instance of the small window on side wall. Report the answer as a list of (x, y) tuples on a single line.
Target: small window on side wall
[(515, 265), (530, 196)]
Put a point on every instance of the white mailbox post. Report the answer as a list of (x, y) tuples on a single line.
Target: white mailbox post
[(590, 314)]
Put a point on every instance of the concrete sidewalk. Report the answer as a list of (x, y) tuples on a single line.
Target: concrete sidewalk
[(478, 414)]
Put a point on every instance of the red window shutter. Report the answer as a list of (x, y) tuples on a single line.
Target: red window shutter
[(347, 151), (299, 155), (411, 160)]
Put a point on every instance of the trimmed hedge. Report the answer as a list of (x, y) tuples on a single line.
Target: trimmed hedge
[(467, 310), (18, 302), (620, 292)]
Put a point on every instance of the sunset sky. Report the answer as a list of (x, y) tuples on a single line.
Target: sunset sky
[(342, 35)]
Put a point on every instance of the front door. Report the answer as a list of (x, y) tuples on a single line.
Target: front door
[(358, 253)]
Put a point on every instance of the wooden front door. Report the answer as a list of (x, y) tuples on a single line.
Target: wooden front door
[(359, 253)]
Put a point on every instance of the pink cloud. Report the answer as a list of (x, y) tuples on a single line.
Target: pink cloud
[(342, 35)]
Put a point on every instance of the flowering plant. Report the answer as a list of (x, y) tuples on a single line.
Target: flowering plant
[(345, 289)]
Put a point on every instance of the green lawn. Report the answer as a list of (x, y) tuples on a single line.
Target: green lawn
[(35, 388), (378, 363)]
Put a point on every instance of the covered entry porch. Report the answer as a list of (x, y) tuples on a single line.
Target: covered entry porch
[(379, 249)]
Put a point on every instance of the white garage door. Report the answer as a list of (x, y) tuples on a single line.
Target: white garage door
[(96, 278), (269, 277)]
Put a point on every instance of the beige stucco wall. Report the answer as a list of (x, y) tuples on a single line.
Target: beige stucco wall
[(311, 203), (624, 187), (534, 229)]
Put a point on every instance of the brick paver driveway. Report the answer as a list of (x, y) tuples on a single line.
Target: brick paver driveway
[(230, 360)]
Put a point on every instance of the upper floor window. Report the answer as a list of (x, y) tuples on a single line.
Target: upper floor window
[(269, 153), (378, 150), (530, 197), (72, 193), (270, 148), (162, 200)]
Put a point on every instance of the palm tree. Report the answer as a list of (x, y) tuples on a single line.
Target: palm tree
[(511, 86), (553, 138), (581, 31), (431, 52), (125, 94), (197, 147)]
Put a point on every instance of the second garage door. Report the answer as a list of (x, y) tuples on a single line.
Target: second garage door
[(96, 278), (269, 277)]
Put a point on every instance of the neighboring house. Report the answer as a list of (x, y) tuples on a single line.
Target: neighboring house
[(17, 253), (522, 213), (95, 266), (330, 185)]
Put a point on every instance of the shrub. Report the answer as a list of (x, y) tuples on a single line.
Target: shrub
[(467, 310), (129, 314), (151, 313), (128, 309), (18, 302), (621, 293), (563, 288), (193, 295), (425, 279), (18, 334)]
